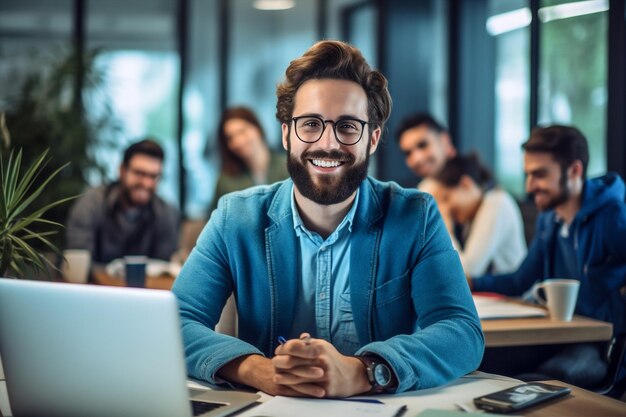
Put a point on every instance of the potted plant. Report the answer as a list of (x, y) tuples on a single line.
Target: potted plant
[(20, 188)]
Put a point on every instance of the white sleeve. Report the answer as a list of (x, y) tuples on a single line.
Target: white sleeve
[(487, 232)]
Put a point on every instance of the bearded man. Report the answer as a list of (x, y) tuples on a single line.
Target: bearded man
[(580, 235), (126, 217), (344, 285)]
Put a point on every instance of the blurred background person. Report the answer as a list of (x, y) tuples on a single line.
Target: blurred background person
[(126, 217), (246, 157), (490, 230), (579, 235), (426, 146)]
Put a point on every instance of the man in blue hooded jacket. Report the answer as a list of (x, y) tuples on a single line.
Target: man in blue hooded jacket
[(580, 234), (343, 284)]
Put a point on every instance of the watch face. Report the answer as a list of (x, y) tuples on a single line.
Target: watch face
[(382, 375)]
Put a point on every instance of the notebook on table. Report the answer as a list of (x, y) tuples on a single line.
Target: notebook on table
[(81, 350), (498, 307)]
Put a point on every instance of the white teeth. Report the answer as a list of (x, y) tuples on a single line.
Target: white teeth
[(325, 164)]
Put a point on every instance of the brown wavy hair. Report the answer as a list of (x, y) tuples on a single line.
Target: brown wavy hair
[(231, 163), (470, 165), (340, 61)]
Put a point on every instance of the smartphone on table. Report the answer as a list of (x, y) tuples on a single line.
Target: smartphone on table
[(520, 397)]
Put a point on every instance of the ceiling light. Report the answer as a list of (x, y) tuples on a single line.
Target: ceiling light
[(566, 10), (274, 4), (509, 21)]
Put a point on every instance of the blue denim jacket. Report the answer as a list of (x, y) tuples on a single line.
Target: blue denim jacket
[(409, 296)]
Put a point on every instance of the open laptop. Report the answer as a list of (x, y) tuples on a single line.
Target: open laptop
[(81, 350)]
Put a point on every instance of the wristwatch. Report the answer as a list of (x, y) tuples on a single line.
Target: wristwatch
[(379, 374)]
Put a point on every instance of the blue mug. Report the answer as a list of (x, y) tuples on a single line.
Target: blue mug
[(136, 271)]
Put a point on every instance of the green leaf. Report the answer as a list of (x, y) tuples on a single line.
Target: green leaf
[(36, 235), (3, 200), (34, 217), (7, 255), (31, 255), (15, 211), (30, 176), (13, 174), (41, 238)]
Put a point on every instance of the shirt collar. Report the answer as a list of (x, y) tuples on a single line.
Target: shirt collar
[(298, 224)]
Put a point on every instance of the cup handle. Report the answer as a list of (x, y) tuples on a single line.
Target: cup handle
[(536, 295)]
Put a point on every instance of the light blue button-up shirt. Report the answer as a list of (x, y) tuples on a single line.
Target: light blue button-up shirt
[(324, 308)]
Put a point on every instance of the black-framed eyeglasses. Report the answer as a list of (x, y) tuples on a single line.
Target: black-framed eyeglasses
[(144, 174), (348, 131)]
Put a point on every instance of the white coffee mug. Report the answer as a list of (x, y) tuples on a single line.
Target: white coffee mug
[(561, 296), (75, 267)]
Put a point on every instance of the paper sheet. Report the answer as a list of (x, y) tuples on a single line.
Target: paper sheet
[(304, 407), (455, 395), (447, 413), (5, 409), (494, 308)]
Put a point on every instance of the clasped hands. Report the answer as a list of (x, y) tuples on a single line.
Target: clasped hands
[(314, 367), (304, 367)]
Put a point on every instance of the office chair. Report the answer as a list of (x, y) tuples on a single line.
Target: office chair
[(614, 356)]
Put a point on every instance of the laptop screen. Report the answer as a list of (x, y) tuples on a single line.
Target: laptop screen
[(81, 350)]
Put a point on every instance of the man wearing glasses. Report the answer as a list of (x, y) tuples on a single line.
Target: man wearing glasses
[(126, 217), (344, 285)]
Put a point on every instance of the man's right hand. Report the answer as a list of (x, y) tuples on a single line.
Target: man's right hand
[(255, 371)]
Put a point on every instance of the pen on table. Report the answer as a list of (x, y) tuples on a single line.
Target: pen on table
[(305, 339), (361, 400)]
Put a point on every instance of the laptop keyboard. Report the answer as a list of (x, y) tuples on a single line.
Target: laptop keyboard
[(201, 407)]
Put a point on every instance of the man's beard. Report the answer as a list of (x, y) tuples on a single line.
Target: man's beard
[(562, 196), (329, 189), (127, 197)]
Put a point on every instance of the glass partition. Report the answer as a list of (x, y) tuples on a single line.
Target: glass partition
[(573, 71), (140, 62), (259, 55), (509, 23)]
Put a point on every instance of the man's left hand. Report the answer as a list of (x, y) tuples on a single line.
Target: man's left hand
[(315, 368)]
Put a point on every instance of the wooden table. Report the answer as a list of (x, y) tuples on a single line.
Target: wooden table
[(498, 332), (161, 282), (544, 331), (227, 323), (579, 403)]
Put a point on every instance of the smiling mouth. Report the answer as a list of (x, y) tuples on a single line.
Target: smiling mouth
[(322, 163)]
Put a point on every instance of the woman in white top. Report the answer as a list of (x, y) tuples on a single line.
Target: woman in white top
[(487, 220)]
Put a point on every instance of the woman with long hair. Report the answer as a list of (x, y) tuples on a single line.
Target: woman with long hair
[(246, 157), (484, 221)]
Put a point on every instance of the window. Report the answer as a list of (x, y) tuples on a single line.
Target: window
[(360, 28), (141, 67), (259, 55), (572, 77), (31, 34), (201, 107), (573, 71), (509, 23)]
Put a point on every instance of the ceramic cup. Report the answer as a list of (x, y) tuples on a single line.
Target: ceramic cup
[(560, 297), (75, 266)]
